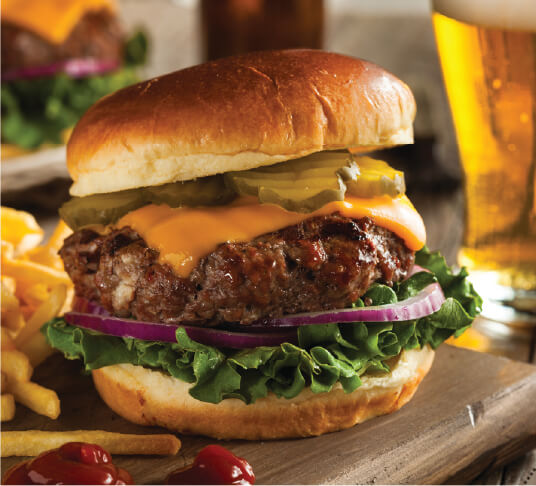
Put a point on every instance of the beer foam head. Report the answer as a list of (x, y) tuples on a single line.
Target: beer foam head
[(504, 14)]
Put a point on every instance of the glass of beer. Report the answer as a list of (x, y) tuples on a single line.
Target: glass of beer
[(237, 26), (487, 50)]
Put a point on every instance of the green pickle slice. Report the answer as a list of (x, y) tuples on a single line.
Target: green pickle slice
[(100, 208), (306, 184), (301, 185), (109, 208)]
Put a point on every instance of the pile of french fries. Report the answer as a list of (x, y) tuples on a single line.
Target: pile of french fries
[(34, 289)]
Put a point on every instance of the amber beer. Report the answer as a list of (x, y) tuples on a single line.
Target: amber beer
[(488, 55), (237, 26)]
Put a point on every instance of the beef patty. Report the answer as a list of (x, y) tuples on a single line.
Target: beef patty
[(325, 262), (97, 35)]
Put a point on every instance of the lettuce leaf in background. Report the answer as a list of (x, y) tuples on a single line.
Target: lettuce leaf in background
[(325, 354), (37, 111), (135, 51)]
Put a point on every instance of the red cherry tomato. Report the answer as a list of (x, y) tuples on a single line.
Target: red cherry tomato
[(72, 463), (214, 465)]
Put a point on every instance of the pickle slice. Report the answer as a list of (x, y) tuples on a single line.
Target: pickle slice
[(100, 208), (301, 185), (207, 191), (293, 200), (108, 208), (307, 184), (377, 178)]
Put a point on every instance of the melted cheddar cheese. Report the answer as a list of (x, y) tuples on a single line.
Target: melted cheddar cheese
[(185, 235), (53, 20)]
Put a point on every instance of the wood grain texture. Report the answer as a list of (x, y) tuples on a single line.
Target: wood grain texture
[(459, 423)]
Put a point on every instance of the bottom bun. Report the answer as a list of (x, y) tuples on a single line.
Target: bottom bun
[(151, 397)]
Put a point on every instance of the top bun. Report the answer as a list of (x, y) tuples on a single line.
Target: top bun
[(234, 114)]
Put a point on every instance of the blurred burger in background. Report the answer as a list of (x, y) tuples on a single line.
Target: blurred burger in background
[(58, 58)]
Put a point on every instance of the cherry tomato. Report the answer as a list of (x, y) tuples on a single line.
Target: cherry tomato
[(214, 465), (72, 463)]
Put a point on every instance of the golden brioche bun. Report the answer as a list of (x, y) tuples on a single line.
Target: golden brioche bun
[(235, 114), (150, 397)]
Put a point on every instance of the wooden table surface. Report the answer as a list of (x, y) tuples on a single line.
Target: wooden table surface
[(456, 425), (404, 45)]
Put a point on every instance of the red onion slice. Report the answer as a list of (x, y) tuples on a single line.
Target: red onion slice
[(153, 331), (75, 68), (80, 68), (84, 306), (416, 269), (426, 302)]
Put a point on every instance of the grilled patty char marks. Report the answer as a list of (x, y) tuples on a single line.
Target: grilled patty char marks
[(323, 263)]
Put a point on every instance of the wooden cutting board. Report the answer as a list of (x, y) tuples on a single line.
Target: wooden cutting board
[(473, 410)]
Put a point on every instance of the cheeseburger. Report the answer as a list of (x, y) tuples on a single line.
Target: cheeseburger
[(241, 268), (58, 58)]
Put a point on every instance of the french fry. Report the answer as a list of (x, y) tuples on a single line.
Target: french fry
[(8, 250), (68, 304), (27, 311), (7, 404), (34, 442), (14, 320), (9, 301), (46, 311), (37, 349), (16, 366), (6, 343), (61, 232), (45, 256), (3, 382), (26, 271), (9, 283), (34, 289), (34, 295), (36, 397), (20, 229), (12, 316)]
